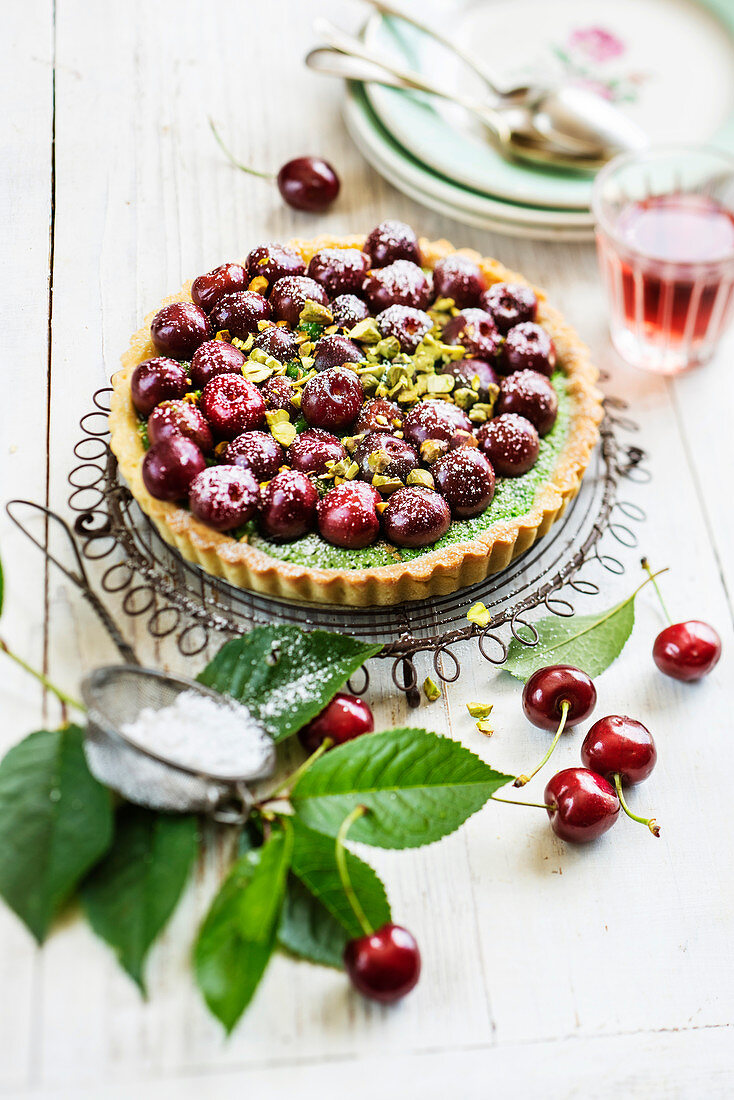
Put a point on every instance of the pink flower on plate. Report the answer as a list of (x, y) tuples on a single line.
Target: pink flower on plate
[(596, 43)]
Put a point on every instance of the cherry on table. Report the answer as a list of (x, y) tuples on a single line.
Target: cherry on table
[(383, 965), (555, 698), (308, 183), (156, 380), (179, 328), (581, 805), (392, 240), (623, 751), (685, 651), (343, 719)]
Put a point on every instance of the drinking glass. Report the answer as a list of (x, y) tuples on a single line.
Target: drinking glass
[(665, 240)]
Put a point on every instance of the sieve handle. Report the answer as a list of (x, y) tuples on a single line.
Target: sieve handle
[(78, 577)]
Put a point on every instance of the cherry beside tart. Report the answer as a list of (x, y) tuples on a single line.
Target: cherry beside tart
[(367, 398)]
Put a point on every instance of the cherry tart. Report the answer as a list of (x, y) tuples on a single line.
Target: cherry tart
[(359, 420)]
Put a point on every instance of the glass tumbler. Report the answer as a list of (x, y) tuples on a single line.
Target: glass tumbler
[(665, 240)]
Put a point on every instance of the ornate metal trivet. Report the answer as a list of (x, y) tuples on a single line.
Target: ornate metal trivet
[(178, 599)]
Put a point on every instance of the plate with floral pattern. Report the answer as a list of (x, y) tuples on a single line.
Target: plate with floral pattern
[(608, 51)]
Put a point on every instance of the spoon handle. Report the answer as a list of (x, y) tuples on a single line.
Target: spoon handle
[(386, 7)]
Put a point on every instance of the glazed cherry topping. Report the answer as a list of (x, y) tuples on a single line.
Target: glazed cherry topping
[(347, 515), (308, 183), (179, 418), (459, 278), (206, 290), (687, 651), (334, 351), (617, 745), (224, 496), (240, 313), (339, 270), (531, 395), (477, 333), (406, 324), (397, 458), (348, 310), (401, 283), (273, 262), (434, 419), (277, 341), (343, 719), (528, 347), (548, 689), (384, 965), (256, 451), (581, 805), (379, 415), (416, 516), (178, 329), (511, 444), (290, 294), (510, 304), (312, 449), (392, 240), (288, 506), (157, 380), (169, 467), (476, 374), (465, 479), (212, 358), (232, 405), (278, 393), (332, 399)]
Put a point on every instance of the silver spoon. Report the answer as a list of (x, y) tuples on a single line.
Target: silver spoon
[(567, 118), (506, 126)]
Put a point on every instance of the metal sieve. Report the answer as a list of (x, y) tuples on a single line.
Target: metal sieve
[(116, 694)]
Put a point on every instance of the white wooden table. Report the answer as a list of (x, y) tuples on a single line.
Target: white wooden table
[(548, 971)]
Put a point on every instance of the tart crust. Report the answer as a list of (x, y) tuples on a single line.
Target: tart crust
[(434, 573)]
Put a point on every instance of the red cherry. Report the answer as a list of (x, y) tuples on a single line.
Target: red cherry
[(179, 328), (179, 418), (384, 965), (343, 719), (206, 290), (556, 697), (332, 399), (224, 497), (170, 466), (347, 515), (157, 380), (232, 405), (687, 651), (288, 506), (308, 183), (617, 745), (581, 805)]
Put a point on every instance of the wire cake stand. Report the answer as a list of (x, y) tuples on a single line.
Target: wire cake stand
[(178, 599)]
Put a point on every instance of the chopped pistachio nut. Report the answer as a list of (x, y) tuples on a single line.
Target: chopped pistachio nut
[(262, 325), (223, 334), (380, 419), (343, 468), (244, 345), (432, 349), (253, 372), (464, 397), (480, 710), (479, 615), (431, 690), (315, 314), (258, 285), (192, 397), (296, 398), (385, 484), (220, 448), (439, 383), (484, 727), (481, 412), (433, 449), (351, 442), (443, 305), (379, 461), (331, 330), (381, 506), (143, 433), (284, 433), (367, 331), (304, 378), (385, 349), (468, 438), (420, 477)]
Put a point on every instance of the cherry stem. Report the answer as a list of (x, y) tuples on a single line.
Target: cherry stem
[(341, 862), (289, 781), (651, 576), (523, 779), (649, 821), (63, 698), (517, 802), (233, 160)]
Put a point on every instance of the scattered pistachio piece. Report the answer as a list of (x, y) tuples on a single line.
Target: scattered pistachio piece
[(223, 334), (259, 284), (465, 397), (385, 484), (484, 727), (367, 331), (479, 615), (284, 433), (431, 690), (420, 477), (433, 449), (315, 314), (479, 710)]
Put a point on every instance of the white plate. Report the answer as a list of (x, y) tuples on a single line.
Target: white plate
[(418, 183), (683, 91)]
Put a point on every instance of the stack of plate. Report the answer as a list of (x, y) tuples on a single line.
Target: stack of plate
[(670, 66)]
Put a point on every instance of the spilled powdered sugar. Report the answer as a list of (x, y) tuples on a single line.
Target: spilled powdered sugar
[(198, 732)]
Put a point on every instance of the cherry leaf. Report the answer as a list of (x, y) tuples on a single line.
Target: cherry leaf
[(416, 785), (284, 675), (308, 930)]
